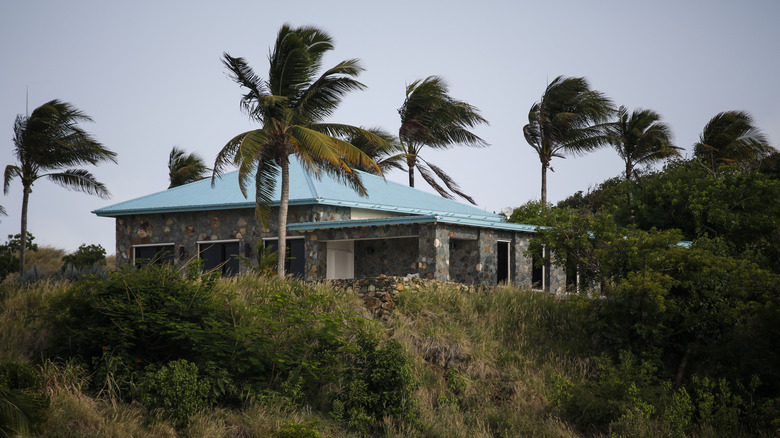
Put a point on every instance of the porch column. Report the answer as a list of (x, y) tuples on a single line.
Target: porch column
[(523, 267), (316, 256), (433, 261), (488, 259)]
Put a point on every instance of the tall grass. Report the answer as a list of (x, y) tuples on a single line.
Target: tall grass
[(482, 361)]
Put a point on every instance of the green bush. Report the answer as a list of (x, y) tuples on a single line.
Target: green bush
[(176, 390), (379, 383), (290, 430), (144, 316), (85, 256)]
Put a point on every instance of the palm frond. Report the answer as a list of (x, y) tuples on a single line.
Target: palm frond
[(450, 183), (11, 171), (253, 148), (427, 175), (227, 156), (79, 180)]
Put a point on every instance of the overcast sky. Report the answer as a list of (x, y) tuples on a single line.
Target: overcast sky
[(149, 74)]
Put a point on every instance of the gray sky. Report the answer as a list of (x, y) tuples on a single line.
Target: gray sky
[(150, 75)]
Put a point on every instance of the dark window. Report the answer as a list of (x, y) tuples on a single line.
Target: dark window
[(295, 263), (219, 256), (156, 255), (502, 269)]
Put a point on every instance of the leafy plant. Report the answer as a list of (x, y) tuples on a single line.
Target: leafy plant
[(176, 389), (85, 256)]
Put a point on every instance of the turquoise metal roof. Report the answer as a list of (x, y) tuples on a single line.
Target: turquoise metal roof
[(301, 226), (305, 189)]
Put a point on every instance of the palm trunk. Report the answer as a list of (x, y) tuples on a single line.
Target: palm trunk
[(23, 237), (629, 194), (283, 204), (544, 183), (411, 161)]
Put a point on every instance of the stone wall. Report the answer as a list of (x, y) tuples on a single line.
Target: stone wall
[(186, 229), (391, 257), (379, 293)]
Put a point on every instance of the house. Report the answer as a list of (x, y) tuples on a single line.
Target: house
[(333, 233)]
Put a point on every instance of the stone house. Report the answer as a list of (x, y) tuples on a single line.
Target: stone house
[(333, 233)]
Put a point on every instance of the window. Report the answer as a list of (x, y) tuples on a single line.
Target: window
[(153, 254), (219, 256), (295, 263)]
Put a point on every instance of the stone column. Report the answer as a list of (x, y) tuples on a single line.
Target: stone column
[(557, 279), (488, 260), (522, 269), (433, 260), (316, 257)]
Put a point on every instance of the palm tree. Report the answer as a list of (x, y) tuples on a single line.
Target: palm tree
[(730, 137), (568, 119), (640, 138), (46, 143), (291, 105), (431, 117), (185, 168)]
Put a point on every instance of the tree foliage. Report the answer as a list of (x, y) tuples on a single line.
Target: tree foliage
[(291, 105), (86, 256), (569, 118), (48, 144), (185, 168), (431, 117)]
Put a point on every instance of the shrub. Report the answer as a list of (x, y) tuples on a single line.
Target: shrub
[(176, 390), (379, 383), (86, 256)]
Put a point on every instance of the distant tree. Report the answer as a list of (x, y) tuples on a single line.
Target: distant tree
[(640, 138), (46, 144), (731, 137), (568, 119), (431, 117), (291, 105), (86, 256), (185, 168), (9, 253)]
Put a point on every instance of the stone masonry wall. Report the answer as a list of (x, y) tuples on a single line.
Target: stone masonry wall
[(186, 229), (391, 257)]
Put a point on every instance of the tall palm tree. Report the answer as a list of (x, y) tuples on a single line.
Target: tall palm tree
[(46, 144), (730, 137), (185, 168), (431, 117), (640, 138), (568, 119), (291, 105)]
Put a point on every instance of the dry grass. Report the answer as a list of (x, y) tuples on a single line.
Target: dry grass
[(482, 361), (48, 259), (22, 329)]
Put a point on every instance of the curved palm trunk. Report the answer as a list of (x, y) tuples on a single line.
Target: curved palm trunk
[(411, 161), (283, 205), (23, 238)]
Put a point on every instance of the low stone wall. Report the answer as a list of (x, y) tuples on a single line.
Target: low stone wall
[(379, 293)]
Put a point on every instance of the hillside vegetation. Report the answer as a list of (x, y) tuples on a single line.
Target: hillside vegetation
[(160, 352)]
